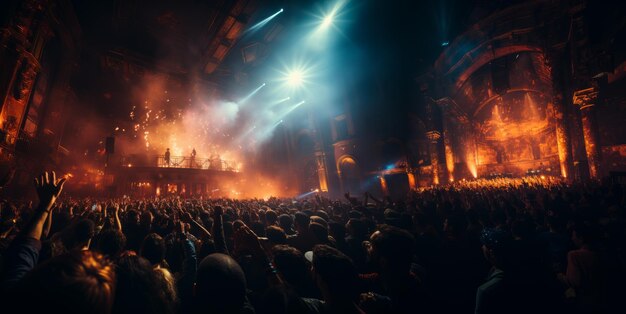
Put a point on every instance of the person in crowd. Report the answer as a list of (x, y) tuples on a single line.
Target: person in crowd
[(336, 278), (395, 288), (304, 239)]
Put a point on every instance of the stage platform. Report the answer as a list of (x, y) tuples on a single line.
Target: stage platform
[(184, 177)]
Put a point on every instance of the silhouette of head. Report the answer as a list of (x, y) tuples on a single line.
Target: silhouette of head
[(220, 285)]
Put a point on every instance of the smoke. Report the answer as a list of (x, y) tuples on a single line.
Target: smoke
[(183, 117)]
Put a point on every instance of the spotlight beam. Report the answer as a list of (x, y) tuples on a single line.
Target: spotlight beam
[(286, 113), (301, 196), (243, 101), (267, 131), (278, 102), (265, 21), (277, 124)]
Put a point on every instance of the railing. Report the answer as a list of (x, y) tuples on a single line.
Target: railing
[(189, 162)]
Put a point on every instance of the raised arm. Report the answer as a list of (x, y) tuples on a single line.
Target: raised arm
[(218, 231), (23, 253), (116, 214), (48, 189), (205, 234)]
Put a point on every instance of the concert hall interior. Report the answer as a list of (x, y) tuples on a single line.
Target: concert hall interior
[(279, 98), (313, 156)]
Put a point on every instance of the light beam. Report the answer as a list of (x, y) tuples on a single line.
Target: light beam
[(264, 21), (243, 101)]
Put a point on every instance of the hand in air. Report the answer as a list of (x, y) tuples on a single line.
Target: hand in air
[(48, 189)]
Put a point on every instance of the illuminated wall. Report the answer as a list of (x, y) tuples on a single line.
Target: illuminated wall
[(509, 104)]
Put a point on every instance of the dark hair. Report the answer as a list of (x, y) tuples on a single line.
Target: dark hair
[(336, 270), (258, 228), (79, 233), (75, 282), (323, 214), (291, 263), (357, 228), (220, 285), (319, 232), (111, 243), (276, 235), (153, 248), (141, 289), (285, 221), (270, 217), (337, 230), (394, 244), (302, 220)]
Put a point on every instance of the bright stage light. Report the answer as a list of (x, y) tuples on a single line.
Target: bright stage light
[(327, 21), (295, 78)]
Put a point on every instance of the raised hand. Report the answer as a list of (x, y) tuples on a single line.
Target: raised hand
[(48, 189), (246, 240), (186, 217)]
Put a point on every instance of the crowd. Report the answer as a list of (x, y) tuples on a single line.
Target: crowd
[(532, 247)]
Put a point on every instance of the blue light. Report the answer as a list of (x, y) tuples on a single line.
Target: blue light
[(301, 196), (297, 76), (445, 43), (251, 94), (278, 102), (265, 21)]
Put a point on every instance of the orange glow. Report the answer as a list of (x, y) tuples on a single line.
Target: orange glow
[(411, 177), (449, 161), (321, 173), (383, 184), (470, 160), (503, 124)]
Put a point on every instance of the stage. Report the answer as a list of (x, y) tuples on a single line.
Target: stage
[(184, 176)]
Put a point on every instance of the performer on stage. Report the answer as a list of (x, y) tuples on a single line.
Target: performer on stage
[(192, 160), (166, 158)]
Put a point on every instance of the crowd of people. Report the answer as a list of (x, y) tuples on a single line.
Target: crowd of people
[(532, 247)]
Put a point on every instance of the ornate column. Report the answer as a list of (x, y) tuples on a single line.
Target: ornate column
[(447, 106), (320, 155), (563, 140), (322, 170), (433, 137), (448, 150), (586, 100)]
